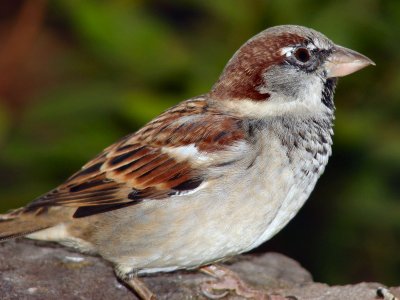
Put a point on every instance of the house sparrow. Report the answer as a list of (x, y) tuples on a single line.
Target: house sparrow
[(212, 177)]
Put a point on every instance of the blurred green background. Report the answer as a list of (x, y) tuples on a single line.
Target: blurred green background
[(77, 75)]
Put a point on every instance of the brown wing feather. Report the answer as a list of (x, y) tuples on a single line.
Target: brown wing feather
[(137, 168)]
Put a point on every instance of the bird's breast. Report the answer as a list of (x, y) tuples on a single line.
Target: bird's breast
[(250, 202), (287, 170)]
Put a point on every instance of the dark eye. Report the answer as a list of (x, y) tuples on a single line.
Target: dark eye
[(302, 54)]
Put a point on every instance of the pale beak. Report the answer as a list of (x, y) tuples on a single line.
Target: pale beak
[(344, 61)]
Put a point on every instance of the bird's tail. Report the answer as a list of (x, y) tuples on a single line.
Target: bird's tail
[(16, 224)]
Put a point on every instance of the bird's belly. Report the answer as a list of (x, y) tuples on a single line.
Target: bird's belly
[(295, 190), (279, 189), (221, 221)]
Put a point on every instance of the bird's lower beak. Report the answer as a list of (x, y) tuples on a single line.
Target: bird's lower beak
[(344, 61)]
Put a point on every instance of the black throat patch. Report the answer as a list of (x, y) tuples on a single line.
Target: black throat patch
[(327, 93)]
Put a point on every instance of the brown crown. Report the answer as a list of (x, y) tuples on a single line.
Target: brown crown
[(243, 75)]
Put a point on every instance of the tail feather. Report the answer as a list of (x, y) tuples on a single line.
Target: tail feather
[(21, 222), (13, 227)]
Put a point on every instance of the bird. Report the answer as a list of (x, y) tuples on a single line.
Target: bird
[(210, 178)]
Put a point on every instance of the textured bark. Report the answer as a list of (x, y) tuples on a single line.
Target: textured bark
[(32, 270)]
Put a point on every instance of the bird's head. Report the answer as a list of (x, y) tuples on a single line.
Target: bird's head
[(283, 70)]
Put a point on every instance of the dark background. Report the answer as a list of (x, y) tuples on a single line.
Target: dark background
[(77, 75)]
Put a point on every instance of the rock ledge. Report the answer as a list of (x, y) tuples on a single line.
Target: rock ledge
[(33, 270)]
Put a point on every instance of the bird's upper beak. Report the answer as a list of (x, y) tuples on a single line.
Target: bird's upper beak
[(345, 61)]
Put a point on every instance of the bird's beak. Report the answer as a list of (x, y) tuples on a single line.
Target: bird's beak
[(344, 61)]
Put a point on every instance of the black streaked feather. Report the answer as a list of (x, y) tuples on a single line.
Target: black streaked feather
[(120, 158), (190, 184), (92, 169), (86, 211), (86, 185)]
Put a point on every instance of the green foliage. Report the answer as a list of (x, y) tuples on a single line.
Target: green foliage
[(119, 63)]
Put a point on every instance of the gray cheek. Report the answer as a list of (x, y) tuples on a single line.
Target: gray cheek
[(285, 80), (288, 81)]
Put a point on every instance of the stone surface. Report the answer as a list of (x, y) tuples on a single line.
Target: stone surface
[(32, 270)]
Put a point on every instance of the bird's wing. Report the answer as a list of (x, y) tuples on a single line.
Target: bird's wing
[(169, 156)]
